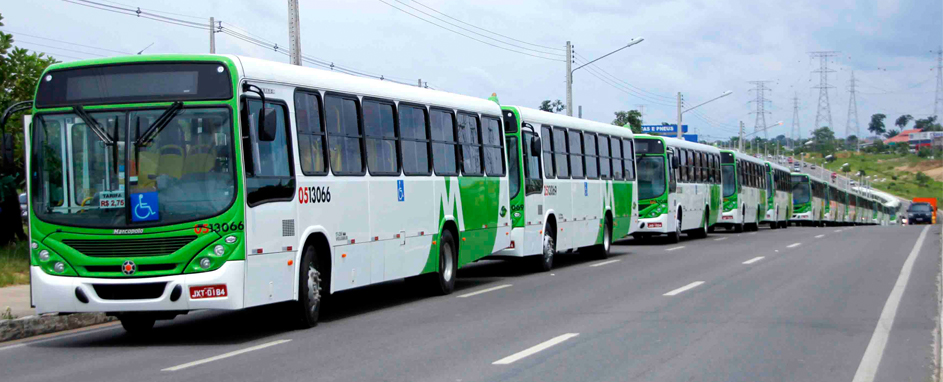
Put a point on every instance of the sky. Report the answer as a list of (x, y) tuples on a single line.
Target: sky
[(698, 48)]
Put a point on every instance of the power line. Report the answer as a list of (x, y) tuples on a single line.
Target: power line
[(483, 29), (50, 54), (472, 38), (62, 42), (624, 82), (613, 81), (156, 11), (56, 47)]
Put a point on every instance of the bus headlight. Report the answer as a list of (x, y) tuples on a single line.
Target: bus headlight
[(231, 239), (219, 250), (44, 255), (59, 267), (205, 263)]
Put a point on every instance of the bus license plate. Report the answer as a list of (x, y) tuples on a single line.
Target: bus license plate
[(208, 291)]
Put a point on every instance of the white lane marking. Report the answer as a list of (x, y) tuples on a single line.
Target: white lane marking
[(605, 262), (753, 233), (868, 367), (819, 236), (721, 239), (62, 337), (534, 349), (793, 245), (837, 230), (675, 248), (753, 260), (492, 289), (227, 355), (684, 288)]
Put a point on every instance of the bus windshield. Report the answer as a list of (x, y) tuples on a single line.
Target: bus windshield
[(184, 173), (730, 180), (801, 190), (651, 177)]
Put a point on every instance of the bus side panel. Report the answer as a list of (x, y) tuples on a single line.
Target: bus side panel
[(418, 225), (557, 197)]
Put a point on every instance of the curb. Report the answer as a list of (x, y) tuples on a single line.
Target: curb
[(30, 326)]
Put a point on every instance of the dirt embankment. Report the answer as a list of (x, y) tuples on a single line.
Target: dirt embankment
[(932, 168)]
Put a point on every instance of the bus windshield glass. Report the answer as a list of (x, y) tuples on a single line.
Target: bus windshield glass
[(730, 180), (184, 173), (651, 177), (801, 190)]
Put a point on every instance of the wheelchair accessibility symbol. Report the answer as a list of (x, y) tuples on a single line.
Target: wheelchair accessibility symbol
[(144, 207)]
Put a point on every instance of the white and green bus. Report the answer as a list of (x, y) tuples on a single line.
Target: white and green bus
[(745, 191), (577, 190), (778, 196), (838, 199), (809, 198), (171, 183), (679, 187)]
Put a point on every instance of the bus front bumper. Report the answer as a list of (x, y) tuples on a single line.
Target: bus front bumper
[(62, 294), (805, 216), (654, 225)]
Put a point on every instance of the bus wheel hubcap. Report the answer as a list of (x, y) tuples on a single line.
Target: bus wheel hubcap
[(607, 239), (548, 249), (447, 262), (314, 288)]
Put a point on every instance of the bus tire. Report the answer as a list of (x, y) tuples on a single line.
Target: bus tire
[(310, 296), (602, 250), (448, 265), (675, 237), (544, 262), (137, 323), (738, 228)]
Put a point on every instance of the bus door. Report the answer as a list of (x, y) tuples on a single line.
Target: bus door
[(533, 191), (270, 194)]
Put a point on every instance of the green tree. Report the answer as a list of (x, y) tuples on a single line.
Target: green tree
[(823, 140), (892, 133), (928, 124), (877, 124), (903, 120), (922, 179), (19, 72), (633, 118), (553, 107)]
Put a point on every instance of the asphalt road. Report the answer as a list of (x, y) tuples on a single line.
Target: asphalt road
[(806, 311)]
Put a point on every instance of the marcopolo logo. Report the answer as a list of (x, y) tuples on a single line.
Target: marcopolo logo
[(128, 231)]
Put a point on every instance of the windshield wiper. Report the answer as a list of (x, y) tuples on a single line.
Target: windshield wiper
[(93, 124), (159, 124)]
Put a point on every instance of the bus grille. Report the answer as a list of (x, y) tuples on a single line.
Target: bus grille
[(129, 291), (129, 247)]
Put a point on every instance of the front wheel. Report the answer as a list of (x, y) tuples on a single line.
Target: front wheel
[(310, 289), (675, 237)]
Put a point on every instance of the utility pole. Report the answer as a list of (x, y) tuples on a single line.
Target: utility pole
[(795, 132), (823, 116), (420, 82), (294, 32), (938, 99), (740, 141), (760, 107), (581, 111), (852, 124), (680, 105), (212, 36), (569, 79)]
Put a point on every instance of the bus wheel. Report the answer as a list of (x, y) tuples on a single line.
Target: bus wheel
[(675, 237), (137, 323), (309, 289), (602, 250), (544, 262), (738, 228), (784, 225), (448, 264)]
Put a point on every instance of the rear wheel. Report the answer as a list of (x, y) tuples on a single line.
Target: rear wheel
[(448, 265), (310, 285), (702, 231), (545, 261), (137, 323), (602, 250)]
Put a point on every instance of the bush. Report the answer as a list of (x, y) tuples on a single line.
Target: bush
[(894, 177), (925, 152), (922, 179)]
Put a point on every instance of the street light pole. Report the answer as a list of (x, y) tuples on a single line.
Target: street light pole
[(680, 105), (569, 72)]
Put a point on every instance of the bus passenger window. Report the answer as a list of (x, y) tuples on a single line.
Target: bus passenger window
[(344, 136), (414, 140), (443, 143), (381, 138), (311, 144), (468, 136)]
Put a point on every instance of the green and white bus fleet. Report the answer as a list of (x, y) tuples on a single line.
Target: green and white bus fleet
[(838, 205), (809, 198), (165, 184), (679, 187), (577, 189), (778, 196), (745, 191)]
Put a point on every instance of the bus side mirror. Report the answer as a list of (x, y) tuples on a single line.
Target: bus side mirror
[(675, 162), (535, 146), (267, 120)]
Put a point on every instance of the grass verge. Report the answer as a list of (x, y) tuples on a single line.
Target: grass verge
[(14, 264)]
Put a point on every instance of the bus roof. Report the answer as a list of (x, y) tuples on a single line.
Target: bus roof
[(557, 120), (675, 142), (777, 166), (744, 156)]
